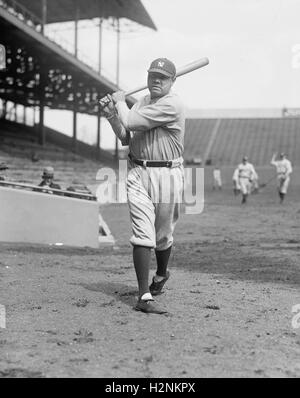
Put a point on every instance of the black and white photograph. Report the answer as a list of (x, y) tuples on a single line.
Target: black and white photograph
[(149, 191)]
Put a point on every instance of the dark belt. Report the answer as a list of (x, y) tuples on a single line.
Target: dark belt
[(152, 163)]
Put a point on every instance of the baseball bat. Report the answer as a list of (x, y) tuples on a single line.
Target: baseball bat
[(200, 63)]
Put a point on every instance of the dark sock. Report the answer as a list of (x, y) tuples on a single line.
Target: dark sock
[(162, 258), (141, 260)]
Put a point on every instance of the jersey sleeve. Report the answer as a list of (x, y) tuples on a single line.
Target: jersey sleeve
[(148, 117)]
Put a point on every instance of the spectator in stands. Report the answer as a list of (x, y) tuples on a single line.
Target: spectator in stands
[(79, 187), (3, 167), (47, 180)]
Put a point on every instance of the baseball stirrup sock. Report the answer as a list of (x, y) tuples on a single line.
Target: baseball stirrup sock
[(162, 258), (141, 260)]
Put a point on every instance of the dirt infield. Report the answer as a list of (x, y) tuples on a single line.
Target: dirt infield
[(235, 276)]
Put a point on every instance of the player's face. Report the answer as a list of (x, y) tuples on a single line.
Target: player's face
[(48, 180), (159, 85)]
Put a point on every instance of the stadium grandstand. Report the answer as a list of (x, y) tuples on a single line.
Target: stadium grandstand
[(224, 136), (41, 73)]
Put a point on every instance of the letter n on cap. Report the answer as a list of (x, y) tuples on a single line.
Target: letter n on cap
[(2, 57)]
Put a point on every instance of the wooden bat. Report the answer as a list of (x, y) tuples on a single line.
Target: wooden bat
[(200, 63)]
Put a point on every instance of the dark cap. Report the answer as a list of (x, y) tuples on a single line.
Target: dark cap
[(3, 166), (48, 172), (163, 66), (245, 158)]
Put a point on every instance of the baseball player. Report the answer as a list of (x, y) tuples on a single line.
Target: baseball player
[(284, 170), (154, 131), (243, 178), (217, 178)]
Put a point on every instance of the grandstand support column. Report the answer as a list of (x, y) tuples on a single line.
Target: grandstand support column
[(42, 130), (44, 15), (100, 46), (77, 16), (24, 115), (15, 112), (74, 115), (98, 132), (3, 109)]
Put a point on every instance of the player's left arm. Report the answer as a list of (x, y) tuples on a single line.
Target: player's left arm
[(254, 174)]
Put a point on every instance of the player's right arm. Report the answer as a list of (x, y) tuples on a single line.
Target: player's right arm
[(273, 162)]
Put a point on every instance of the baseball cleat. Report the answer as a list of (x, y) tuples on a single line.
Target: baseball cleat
[(156, 287), (148, 307)]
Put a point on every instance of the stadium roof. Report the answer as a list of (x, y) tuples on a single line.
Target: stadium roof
[(64, 10), (30, 54)]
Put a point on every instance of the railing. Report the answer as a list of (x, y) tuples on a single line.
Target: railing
[(45, 189), (34, 22)]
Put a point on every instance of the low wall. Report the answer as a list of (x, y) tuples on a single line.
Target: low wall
[(33, 217)]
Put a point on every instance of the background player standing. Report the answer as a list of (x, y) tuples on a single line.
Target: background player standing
[(217, 178), (154, 131), (284, 170), (243, 178)]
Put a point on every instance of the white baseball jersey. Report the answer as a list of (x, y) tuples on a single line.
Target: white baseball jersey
[(154, 194), (157, 128), (283, 167), (246, 171), (217, 177), (243, 176)]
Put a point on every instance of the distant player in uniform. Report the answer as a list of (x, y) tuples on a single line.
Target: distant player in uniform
[(284, 170), (217, 179), (243, 178), (154, 131)]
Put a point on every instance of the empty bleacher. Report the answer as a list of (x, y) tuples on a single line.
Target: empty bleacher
[(26, 159), (256, 138)]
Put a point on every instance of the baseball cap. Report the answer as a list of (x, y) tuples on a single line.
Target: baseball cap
[(48, 172), (245, 158), (3, 166), (282, 154), (163, 66)]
